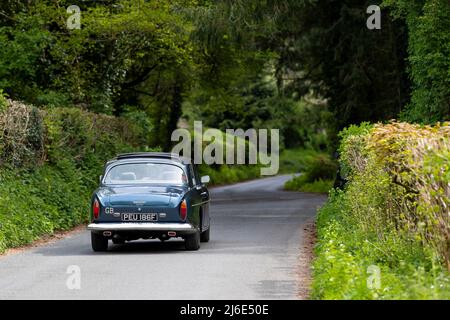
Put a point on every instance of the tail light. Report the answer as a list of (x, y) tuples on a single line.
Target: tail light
[(183, 210), (96, 209)]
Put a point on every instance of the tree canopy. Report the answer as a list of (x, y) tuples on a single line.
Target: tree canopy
[(306, 67)]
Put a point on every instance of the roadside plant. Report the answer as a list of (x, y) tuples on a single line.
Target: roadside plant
[(393, 214)]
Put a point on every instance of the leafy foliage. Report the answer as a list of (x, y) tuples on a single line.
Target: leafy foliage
[(3, 101), (297, 160), (346, 251), (429, 57), (124, 55), (22, 135), (318, 176), (316, 186), (228, 174), (393, 214), (50, 161), (325, 48)]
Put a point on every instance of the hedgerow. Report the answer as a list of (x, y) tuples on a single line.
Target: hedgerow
[(50, 161), (392, 215), (317, 176)]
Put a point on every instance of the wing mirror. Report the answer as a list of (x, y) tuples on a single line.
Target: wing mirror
[(205, 179), (100, 178)]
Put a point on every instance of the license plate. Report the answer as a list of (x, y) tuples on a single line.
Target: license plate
[(139, 217)]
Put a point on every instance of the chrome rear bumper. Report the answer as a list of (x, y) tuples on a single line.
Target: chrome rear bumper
[(149, 226)]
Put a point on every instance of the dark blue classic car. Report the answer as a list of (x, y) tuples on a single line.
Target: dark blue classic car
[(150, 196)]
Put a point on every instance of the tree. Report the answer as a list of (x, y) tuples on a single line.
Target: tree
[(429, 57), (128, 55), (321, 48)]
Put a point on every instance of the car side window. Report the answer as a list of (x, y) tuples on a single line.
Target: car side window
[(193, 176), (197, 175)]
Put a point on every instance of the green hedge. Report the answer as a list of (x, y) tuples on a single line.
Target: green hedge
[(229, 174), (318, 174), (50, 161), (392, 216)]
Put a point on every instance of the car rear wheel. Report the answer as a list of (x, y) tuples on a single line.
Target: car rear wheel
[(99, 242), (204, 237), (192, 242)]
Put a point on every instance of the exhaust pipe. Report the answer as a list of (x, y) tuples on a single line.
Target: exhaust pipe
[(107, 233)]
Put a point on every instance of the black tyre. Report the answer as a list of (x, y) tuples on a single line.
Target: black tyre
[(192, 242), (204, 237), (99, 243)]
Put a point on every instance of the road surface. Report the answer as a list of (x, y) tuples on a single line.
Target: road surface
[(253, 254)]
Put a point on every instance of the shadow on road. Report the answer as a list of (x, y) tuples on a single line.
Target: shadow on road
[(135, 247), (148, 247)]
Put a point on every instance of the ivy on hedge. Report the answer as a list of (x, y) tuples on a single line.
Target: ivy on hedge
[(49, 166)]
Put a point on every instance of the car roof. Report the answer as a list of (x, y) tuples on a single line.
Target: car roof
[(139, 156)]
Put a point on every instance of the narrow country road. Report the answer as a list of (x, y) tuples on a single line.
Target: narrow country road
[(253, 254)]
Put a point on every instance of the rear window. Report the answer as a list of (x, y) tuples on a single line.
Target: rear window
[(145, 173)]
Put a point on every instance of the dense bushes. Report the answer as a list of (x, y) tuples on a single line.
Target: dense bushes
[(317, 176), (222, 174), (50, 161), (40, 201), (228, 174), (428, 56), (21, 137), (393, 214)]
